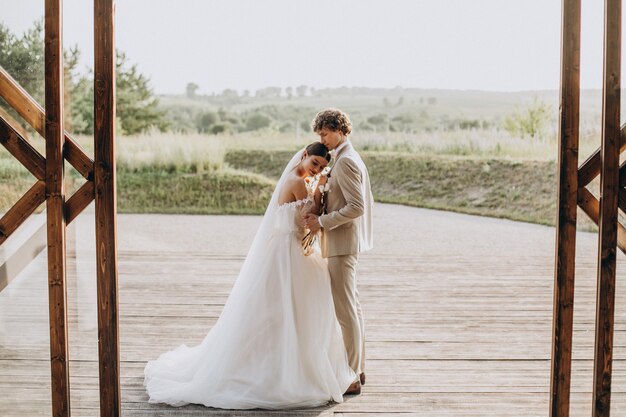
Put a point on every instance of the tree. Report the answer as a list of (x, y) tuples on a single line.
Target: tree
[(257, 121), (469, 124), (301, 90), (23, 59), (230, 94), (137, 108), (530, 122), (269, 92), (306, 126), (289, 92), (207, 120), (191, 90), (220, 128), (136, 104), (378, 119), (403, 122), (78, 94)]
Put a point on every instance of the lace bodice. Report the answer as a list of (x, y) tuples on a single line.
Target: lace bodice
[(289, 215)]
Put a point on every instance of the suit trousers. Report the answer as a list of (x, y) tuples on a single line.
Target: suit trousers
[(348, 308)]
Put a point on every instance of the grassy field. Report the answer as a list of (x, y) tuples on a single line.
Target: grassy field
[(486, 174), (193, 193), (174, 148), (519, 190)]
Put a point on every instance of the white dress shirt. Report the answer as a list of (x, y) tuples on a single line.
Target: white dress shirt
[(335, 152)]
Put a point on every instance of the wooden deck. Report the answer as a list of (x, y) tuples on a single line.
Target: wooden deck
[(458, 315)]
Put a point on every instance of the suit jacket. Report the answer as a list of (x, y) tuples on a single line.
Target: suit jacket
[(347, 228)]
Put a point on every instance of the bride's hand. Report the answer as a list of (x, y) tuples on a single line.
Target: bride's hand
[(323, 180)]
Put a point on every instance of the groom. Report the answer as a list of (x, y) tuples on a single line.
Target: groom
[(346, 226)]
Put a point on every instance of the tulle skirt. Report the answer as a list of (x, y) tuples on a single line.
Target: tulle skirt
[(277, 343)]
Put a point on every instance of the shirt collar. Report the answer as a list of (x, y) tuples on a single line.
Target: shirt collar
[(340, 147)]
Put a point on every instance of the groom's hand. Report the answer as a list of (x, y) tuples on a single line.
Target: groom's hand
[(311, 222)]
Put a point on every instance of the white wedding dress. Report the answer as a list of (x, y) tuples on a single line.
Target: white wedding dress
[(277, 343)]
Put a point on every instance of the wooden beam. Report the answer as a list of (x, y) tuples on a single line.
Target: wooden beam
[(55, 195), (16, 259), (621, 203), (567, 205), (591, 206), (608, 221), (79, 201), (14, 124), (22, 102), (35, 116), (104, 178), (20, 211), (622, 175), (591, 167), (22, 150), (76, 156)]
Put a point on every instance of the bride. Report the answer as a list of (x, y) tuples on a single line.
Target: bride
[(277, 343)]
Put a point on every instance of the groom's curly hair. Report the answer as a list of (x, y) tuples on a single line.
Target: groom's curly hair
[(333, 119)]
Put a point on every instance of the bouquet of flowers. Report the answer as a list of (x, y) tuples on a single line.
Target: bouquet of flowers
[(312, 184)]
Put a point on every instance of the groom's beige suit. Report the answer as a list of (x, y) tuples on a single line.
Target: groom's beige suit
[(347, 231)]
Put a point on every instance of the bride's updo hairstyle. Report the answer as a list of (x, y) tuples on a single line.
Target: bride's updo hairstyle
[(332, 119), (318, 149)]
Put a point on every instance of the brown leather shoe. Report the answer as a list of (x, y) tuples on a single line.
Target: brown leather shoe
[(362, 378), (354, 388)]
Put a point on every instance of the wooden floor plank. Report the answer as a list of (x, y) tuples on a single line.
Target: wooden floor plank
[(456, 326)]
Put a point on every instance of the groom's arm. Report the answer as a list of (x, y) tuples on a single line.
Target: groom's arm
[(349, 178)]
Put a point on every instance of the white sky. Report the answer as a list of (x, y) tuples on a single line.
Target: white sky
[(497, 45)]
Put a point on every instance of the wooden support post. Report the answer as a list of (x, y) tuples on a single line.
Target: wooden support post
[(55, 195), (609, 188), (105, 195), (567, 196)]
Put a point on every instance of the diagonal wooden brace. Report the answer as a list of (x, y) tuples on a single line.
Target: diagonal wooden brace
[(79, 201), (22, 150), (622, 175), (24, 207), (621, 200), (591, 167), (35, 116), (591, 206)]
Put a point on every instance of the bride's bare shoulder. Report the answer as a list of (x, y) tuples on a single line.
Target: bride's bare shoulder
[(293, 189)]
